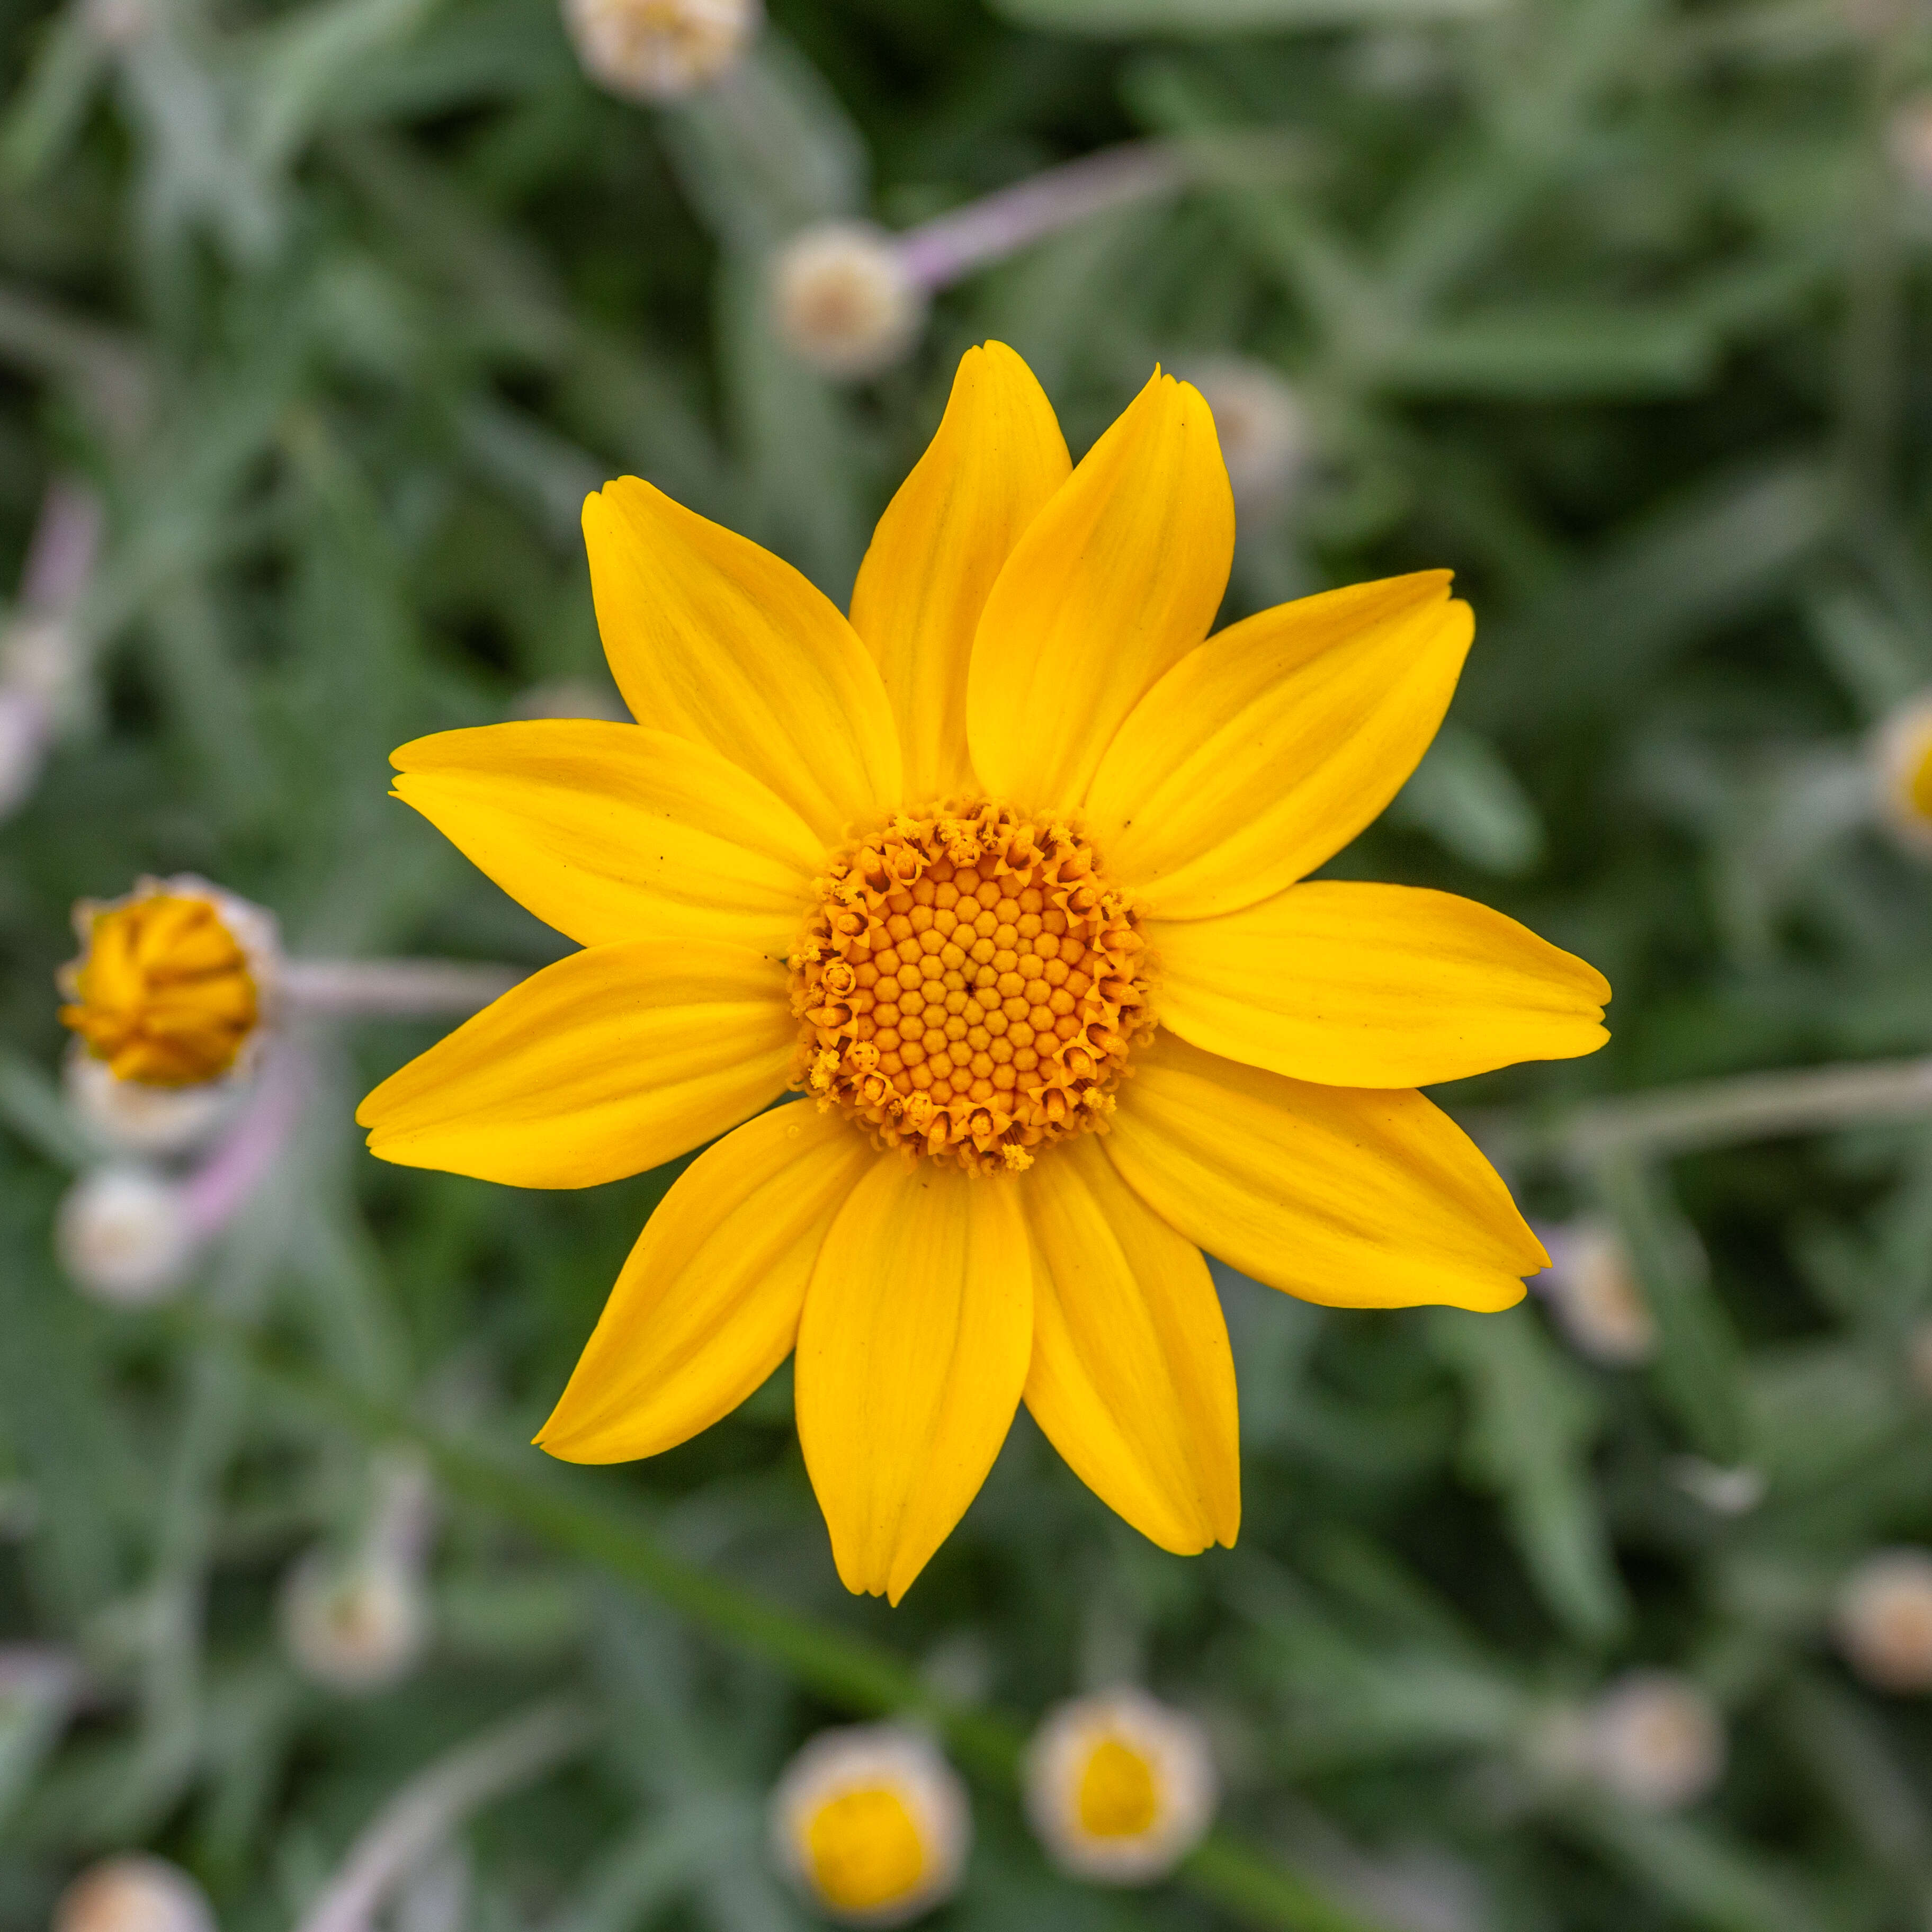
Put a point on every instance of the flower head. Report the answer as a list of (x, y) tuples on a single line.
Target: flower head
[(356, 1625), (133, 1893), (1884, 1619), (1005, 872), (1120, 1788), (171, 983), (843, 300), (125, 1236), (872, 1823), (659, 49), (1655, 1739)]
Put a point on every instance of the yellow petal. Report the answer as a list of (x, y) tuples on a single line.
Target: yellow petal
[(707, 1306), (1116, 578), (610, 1062), (1265, 752), (998, 455), (1131, 1377), (1354, 1197), (912, 1353), (610, 832), (714, 639), (1360, 985)]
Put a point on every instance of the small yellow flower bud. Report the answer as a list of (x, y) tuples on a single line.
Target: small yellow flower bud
[(1594, 1294), (659, 49), (1883, 1616), (169, 987), (844, 302), (1120, 1787), (357, 1625), (1655, 1739), (871, 1823), (1902, 759), (133, 1893), (125, 1237)]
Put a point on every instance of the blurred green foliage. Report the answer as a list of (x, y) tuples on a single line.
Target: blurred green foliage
[(1616, 306)]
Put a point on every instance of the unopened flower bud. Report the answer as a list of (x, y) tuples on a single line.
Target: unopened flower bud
[(1883, 1617), (133, 1892), (173, 981), (1594, 1293), (843, 300), (871, 1823), (1902, 772), (1120, 1787), (141, 1119), (1655, 1739), (571, 697), (125, 1236), (659, 49), (1919, 1358), (1262, 426), (355, 1625)]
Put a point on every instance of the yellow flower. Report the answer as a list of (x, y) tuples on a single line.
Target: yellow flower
[(1120, 1787), (957, 867), (171, 983), (872, 1823)]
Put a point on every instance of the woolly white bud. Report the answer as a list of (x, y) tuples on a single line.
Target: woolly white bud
[(356, 1625), (844, 300), (125, 1237), (872, 1824), (571, 697), (1119, 1786), (139, 1119), (659, 49), (1593, 1291), (1262, 426), (1655, 1739), (133, 1893), (1919, 1358), (1883, 1617), (1901, 760)]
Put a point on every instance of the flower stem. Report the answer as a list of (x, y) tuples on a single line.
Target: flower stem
[(405, 987), (1751, 1106), (865, 1678)]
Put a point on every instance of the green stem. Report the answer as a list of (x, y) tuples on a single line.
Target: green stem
[(863, 1677)]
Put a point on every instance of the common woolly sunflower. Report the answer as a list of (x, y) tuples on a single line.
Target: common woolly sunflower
[(1004, 873)]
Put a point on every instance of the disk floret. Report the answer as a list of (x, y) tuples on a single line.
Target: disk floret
[(969, 987)]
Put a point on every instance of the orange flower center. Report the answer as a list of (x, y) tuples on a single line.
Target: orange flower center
[(865, 1850), (162, 993), (1118, 1798), (968, 987)]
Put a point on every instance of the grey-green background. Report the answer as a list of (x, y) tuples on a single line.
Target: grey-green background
[(1618, 307)]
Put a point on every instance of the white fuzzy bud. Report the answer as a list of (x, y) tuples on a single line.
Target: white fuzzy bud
[(1883, 1618), (141, 1119), (133, 1893), (872, 1824), (659, 49), (1119, 1786), (124, 1236), (1919, 1359), (1655, 1739), (1593, 1291), (355, 1625), (1262, 426), (844, 300), (571, 697)]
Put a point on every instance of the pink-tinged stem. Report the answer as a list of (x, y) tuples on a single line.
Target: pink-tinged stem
[(220, 1188), (941, 251), (403, 987), (66, 542)]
